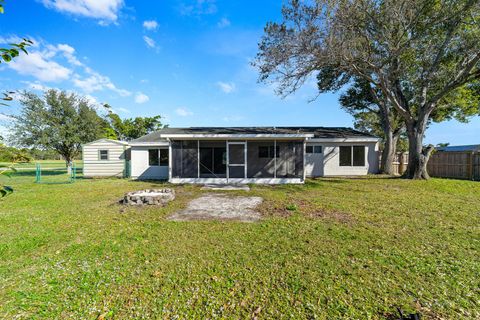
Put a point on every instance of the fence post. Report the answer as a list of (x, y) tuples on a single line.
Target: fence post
[(37, 173)]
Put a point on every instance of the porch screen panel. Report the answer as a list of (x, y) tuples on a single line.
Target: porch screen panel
[(213, 159), (290, 159), (185, 159), (260, 159)]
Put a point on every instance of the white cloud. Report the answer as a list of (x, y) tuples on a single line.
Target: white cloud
[(198, 7), (141, 98), (104, 10), (223, 23), (149, 41), (183, 112), (226, 87), (97, 82), (36, 65), (150, 24), (58, 63)]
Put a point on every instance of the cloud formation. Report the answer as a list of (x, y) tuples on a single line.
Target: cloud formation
[(141, 98), (106, 11), (183, 112), (150, 24), (223, 23), (226, 87), (149, 42), (58, 63)]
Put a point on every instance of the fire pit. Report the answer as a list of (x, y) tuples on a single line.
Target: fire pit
[(149, 197)]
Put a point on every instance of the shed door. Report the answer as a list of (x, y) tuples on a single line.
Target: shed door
[(314, 161)]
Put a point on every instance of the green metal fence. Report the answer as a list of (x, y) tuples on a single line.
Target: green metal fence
[(127, 172), (53, 173)]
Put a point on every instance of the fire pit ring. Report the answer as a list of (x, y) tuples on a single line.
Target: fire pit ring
[(149, 197)]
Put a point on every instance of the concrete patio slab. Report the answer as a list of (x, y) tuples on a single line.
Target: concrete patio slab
[(216, 206)]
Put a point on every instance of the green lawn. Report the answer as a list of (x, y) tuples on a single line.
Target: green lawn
[(348, 248)]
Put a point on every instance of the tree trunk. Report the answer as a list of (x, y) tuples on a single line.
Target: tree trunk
[(418, 156), (388, 153)]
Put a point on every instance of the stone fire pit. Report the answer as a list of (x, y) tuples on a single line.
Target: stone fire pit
[(149, 197)]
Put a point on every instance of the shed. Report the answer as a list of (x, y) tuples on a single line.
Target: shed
[(105, 158)]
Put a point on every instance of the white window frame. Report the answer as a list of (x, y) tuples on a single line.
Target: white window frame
[(100, 154)]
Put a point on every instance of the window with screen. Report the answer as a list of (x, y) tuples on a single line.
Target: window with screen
[(153, 158), (164, 157), (358, 156), (352, 156), (345, 156), (103, 154), (313, 149)]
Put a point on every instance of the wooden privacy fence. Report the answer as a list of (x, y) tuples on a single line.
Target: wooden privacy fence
[(456, 165)]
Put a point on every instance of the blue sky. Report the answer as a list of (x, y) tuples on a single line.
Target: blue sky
[(187, 60)]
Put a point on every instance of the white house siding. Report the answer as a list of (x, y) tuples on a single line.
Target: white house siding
[(328, 162), (140, 169), (114, 166)]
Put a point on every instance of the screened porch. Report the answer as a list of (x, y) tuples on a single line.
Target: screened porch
[(220, 161)]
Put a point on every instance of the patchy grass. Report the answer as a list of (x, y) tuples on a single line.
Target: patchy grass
[(352, 248)]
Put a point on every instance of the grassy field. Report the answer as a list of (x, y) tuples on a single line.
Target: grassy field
[(346, 249)]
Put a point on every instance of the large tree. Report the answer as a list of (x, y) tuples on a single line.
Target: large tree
[(131, 128), (423, 56), (373, 114), (60, 121)]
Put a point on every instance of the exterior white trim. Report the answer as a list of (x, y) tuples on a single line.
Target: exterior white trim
[(164, 143), (123, 143), (237, 180), (362, 139), (235, 136)]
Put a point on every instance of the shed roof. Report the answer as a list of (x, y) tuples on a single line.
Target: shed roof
[(317, 132)]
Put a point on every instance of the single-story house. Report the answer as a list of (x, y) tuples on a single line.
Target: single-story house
[(105, 158), (252, 154)]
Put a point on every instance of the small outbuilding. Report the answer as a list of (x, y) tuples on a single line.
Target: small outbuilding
[(105, 158)]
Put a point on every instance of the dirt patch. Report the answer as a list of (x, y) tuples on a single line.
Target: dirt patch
[(217, 206)]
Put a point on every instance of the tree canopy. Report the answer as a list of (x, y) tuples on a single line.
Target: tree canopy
[(131, 128), (422, 56), (60, 121)]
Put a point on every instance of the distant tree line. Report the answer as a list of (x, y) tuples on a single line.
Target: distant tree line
[(59, 123)]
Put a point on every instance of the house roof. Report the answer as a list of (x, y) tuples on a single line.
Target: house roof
[(123, 143), (471, 147), (311, 132)]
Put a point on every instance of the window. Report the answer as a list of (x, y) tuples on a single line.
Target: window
[(358, 156), (352, 156), (345, 156), (153, 159), (164, 157), (267, 152), (158, 157), (313, 149), (103, 154)]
